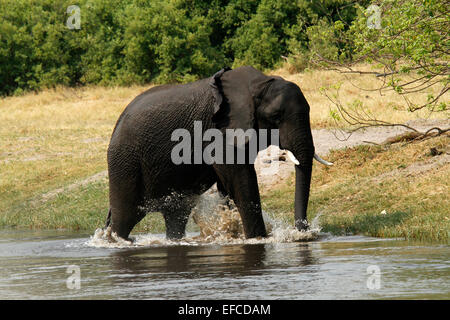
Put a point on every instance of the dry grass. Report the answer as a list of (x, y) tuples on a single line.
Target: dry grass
[(55, 138)]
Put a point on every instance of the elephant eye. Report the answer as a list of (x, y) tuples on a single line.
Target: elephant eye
[(276, 114), (275, 117)]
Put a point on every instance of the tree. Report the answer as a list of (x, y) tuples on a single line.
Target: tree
[(406, 42)]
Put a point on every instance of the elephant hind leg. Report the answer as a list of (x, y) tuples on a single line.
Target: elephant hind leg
[(175, 224), (176, 215), (126, 205), (125, 218)]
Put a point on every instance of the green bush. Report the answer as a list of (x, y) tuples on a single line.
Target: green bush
[(138, 41)]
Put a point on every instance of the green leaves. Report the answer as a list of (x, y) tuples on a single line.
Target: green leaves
[(138, 41), (407, 39)]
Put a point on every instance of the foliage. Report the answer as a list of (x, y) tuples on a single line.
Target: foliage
[(138, 41), (406, 41), (414, 40)]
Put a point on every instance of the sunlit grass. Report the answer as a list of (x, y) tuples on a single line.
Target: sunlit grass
[(55, 137), (364, 181), (59, 137)]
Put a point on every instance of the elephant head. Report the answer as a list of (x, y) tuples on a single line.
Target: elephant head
[(246, 98)]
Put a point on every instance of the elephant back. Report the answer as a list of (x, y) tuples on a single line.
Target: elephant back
[(147, 123)]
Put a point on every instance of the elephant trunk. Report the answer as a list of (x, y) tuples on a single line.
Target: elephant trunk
[(303, 168), (300, 146), (302, 186)]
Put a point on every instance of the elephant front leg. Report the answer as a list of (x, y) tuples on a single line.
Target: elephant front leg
[(241, 184)]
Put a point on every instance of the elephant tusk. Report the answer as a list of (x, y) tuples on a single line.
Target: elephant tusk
[(321, 160), (292, 158)]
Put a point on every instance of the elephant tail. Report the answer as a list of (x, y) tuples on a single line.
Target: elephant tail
[(108, 219)]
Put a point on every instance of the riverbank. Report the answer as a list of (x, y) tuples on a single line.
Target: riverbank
[(53, 161), (392, 191)]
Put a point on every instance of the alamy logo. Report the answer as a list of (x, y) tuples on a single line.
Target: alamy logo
[(374, 19), (374, 279), (229, 147), (74, 20), (74, 280)]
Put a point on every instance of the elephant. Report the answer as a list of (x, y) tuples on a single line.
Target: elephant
[(143, 176)]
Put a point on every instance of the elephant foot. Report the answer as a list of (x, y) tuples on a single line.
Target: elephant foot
[(302, 225), (120, 236), (107, 235), (110, 235), (175, 234)]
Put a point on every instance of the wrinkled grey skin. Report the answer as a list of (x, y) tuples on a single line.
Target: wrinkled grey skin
[(143, 178)]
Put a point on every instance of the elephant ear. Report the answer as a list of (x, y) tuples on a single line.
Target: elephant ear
[(215, 83), (237, 95)]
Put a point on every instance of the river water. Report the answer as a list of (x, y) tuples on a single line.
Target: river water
[(63, 265)]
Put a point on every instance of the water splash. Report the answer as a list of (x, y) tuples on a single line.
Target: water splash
[(104, 238), (219, 222)]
